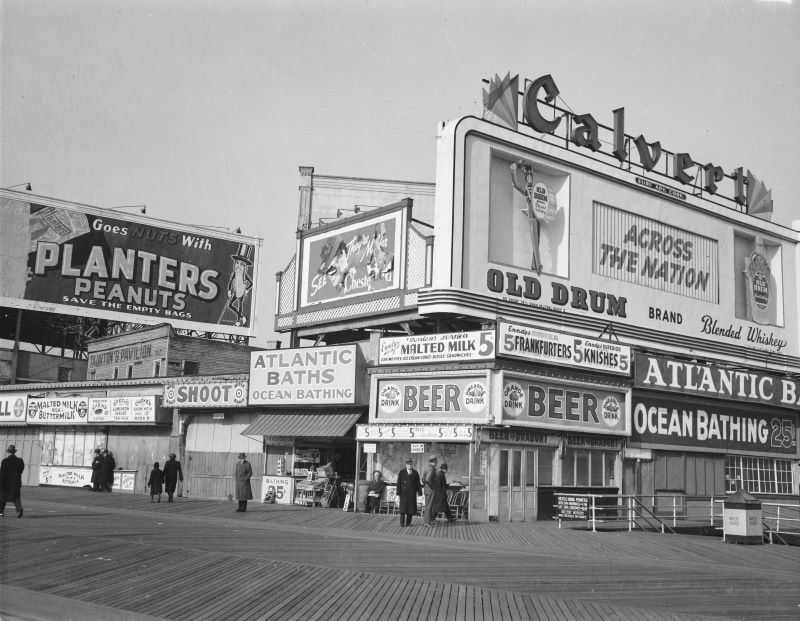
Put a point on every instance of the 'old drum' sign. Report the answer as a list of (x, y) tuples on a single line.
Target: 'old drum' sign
[(433, 399), (564, 406)]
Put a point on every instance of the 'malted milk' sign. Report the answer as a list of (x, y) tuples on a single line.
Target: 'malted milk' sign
[(303, 376)]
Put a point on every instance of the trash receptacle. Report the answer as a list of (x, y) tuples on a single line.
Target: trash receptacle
[(742, 519)]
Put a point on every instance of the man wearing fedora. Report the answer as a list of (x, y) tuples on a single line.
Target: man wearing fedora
[(431, 482), (11, 481), (408, 488), (172, 474), (242, 475)]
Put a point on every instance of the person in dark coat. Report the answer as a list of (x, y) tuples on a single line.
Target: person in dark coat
[(155, 482), (374, 493), (172, 474), (408, 488), (11, 481), (96, 463), (107, 471), (432, 498), (242, 475)]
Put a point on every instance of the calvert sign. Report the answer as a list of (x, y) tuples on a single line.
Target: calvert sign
[(309, 375), (561, 406), (543, 346), (71, 259), (12, 408), (696, 425), (433, 398), (661, 373), (451, 347), (205, 393)]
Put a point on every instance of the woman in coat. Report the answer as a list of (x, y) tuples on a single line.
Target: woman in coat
[(155, 482), (242, 475), (408, 488)]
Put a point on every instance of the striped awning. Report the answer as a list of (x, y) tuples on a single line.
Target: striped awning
[(303, 424)]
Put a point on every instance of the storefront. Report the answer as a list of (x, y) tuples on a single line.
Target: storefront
[(69, 424), (704, 430), (306, 403)]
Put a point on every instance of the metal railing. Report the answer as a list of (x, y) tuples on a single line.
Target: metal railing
[(666, 512)]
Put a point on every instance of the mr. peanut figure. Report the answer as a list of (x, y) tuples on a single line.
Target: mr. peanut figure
[(239, 284)]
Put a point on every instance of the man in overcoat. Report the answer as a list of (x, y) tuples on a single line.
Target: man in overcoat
[(96, 463), (242, 475), (172, 474), (408, 488), (432, 498), (11, 481), (107, 467), (444, 506)]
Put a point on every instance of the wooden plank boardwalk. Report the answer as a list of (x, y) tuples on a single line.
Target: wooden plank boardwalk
[(79, 555)]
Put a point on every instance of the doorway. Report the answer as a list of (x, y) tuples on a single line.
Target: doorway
[(517, 478)]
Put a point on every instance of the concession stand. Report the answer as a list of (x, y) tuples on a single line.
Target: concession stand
[(308, 401)]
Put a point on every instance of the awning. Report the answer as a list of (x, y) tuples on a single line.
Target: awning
[(303, 424)]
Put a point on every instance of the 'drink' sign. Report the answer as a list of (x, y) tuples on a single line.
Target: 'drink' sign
[(433, 399), (308, 375), (13, 407)]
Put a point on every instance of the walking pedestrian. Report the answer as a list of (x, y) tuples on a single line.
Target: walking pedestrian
[(11, 481), (431, 482), (243, 491), (107, 467), (172, 474), (374, 493), (96, 463), (444, 505), (408, 488), (155, 482)]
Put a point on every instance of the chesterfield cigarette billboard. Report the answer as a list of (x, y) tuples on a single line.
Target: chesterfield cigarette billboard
[(74, 259), (573, 224)]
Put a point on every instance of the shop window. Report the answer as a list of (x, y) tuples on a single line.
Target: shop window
[(503, 468), (116, 373), (758, 475), (516, 473), (546, 456), (156, 368), (129, 372), (530, 468), (582, 468), (71, 448)]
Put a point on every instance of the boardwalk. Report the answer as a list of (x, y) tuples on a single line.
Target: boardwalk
[(78, 555)]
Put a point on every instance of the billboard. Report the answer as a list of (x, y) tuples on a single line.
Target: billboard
[(92, 410), (535, 232), (348, 262), (205, 392), (79, 260)]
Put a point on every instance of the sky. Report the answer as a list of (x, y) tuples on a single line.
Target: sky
[(203, 111)]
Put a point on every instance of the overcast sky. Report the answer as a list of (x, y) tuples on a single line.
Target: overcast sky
[(204, 110)]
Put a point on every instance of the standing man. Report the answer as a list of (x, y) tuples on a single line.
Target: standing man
[(243, 491), (408, 488), (11, 481), (444, 505), (431, 482), (172, 474), (107, 466), (96, 463)]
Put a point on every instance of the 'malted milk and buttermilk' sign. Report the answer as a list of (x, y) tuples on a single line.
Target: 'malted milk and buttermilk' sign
[(308, 375), (205, 393), (661, 373), (700, 425), (91, 410)]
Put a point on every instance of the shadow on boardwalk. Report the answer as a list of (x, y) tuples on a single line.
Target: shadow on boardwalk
[(82, 555)]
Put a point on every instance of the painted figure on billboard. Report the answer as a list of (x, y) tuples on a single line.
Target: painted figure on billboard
[(239, 284)]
